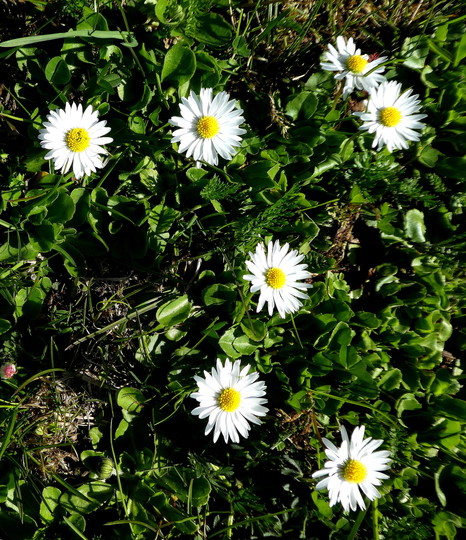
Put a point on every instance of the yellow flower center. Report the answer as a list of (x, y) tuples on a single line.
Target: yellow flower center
[(356, 63), (390, 116), (354, 471), (77, 139), (207, 127), (228, 399), (275, 278)]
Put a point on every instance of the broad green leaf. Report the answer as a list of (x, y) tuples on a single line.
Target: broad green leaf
[(130, 399), (50, 498), (391, 380), (226, 343), (92, 496), (212, 29), (302, 106), (57, 71), (62, 209), (217, 294), (199, 489), (453, 167), (5, 325), (174, 311), (179, 65)]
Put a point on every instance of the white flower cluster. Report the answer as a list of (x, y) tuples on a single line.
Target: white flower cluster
[(391, 115)]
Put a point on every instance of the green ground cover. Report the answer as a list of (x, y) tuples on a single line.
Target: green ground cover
[(119, 287)]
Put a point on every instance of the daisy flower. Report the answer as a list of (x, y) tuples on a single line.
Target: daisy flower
[(74, 139), (231, 399), (392, 116), (208, 127), (275, 274), (7, 370), (352, 467), (356, 68)]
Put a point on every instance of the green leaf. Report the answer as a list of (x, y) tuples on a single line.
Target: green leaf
[(91, 36), (452, 407), (179, 65), (5, 325), (303, 106), (429, 156), (174, 312), (199, 490), (460, 52), (212, 29), (414, 225), (453, 167), (217, 294), (62, 209), (254, 329), (130, 399), (415, 51), (57, 71), (391, 380), (50, 498), (92, 496), (407, 402), (226, 343)]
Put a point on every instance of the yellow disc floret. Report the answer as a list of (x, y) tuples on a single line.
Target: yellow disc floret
[(77, 139), (390, 116), (356, 63), (207, 127), (275, 278), (354, 471), (228, 399)]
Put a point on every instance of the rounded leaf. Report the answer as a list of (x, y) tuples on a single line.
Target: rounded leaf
[(130, 399)]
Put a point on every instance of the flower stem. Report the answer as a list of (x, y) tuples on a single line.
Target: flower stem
[(296, 333), (375, 519), (356, 525)]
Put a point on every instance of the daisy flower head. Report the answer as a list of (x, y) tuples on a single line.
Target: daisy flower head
[(7, 370), (74, 139), (353, 467), (392, 116), (230, 397), (276, 274), (208, 127), (358, 70)]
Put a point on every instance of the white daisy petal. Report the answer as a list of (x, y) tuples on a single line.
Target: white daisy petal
[(75, 138), (232, 402), (275, 275), (352, 468), (209, 126), (358, 71), (392, 116)]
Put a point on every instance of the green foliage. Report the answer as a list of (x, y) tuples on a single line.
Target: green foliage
[(117, 289)]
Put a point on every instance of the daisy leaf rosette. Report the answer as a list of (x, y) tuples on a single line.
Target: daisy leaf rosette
[(353, 468), (357, 69), (74, 139), (208, 127), (231, 398), (276, 274), (392, 116)]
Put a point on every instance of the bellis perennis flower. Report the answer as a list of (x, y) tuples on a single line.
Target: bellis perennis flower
[(358, 71), (392, 116), (7, 370), (231, 398), (74, 139), (353, 467), (208, 127), (275, 274)]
